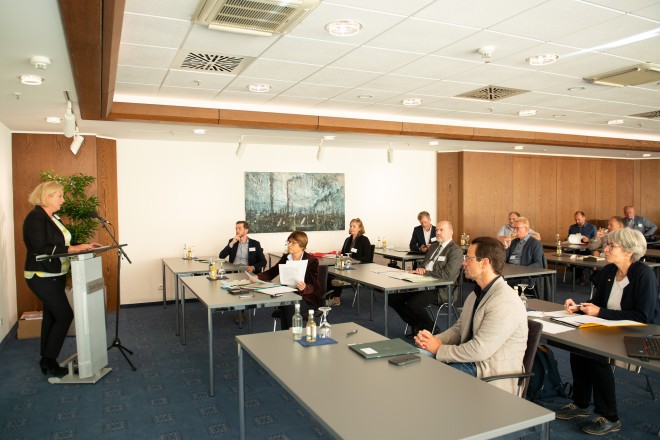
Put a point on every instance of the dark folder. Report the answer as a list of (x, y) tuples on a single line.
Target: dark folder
[(381, 349)]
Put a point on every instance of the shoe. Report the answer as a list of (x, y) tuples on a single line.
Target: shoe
[(572, 411), (50, 366), (336, 301), (601, 426)]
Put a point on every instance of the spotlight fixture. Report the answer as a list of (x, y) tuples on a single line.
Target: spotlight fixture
[(519, 147), (259, 87), (646, 155), (199, 131), (365, 96), (542, 59), (411, 102), (321, 151), (526, 112), (390, 154), (53, 119), (31, 80), (241, 148), (434, 143), (343, 28), (77, 142), (329, 137), (615, 122), (69, 121), (40, 62)]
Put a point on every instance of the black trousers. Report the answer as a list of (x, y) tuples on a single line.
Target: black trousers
[(411, 307), (57, 312), (593, 375)]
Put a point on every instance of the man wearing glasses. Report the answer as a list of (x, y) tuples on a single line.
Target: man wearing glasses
[(598, 243), (490, 337), (524, 250)]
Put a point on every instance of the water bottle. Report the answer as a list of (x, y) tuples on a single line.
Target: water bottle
[(523, 298), (311, 327), (463, 239), (185, 251), (297, 324), (379, 244), (213, 274), (337, 260)]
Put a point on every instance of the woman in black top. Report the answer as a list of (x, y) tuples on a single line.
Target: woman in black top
[(43, 233), (356, 244)]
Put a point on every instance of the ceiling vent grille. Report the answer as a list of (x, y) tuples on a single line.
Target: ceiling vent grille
[(649, 115), (491, 93), (256, 17), (211, 62), (630, 76)]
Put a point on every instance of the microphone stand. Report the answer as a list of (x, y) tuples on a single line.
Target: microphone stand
[(116, 343)]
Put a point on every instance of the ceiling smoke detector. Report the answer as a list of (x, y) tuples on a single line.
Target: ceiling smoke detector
[(40, 62), (486, 53)]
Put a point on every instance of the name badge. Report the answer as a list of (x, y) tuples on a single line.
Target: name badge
[(353, 250), (433, 239), (442, 258), (640, 225), (512, 257), (252, 249)]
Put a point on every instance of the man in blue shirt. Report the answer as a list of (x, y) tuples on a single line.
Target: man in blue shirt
[(583, 227), (630, 220)]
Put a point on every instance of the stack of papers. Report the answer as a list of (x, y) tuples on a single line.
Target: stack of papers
[(582, 321)]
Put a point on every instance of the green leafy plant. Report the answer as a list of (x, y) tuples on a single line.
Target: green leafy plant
[(77, 205)]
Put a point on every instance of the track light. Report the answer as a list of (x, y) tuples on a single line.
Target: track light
[(69, 121), (390, 154), (77, 142), (241, 148), (321, 151)]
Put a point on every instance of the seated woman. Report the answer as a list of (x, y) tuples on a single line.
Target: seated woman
[(356, 244), (309, 289), (626, 289)]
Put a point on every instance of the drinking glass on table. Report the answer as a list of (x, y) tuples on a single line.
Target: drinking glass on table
[(221, 270)]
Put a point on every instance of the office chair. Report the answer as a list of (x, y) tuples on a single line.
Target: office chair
[(323, 280), (533, 338), (356, 287)]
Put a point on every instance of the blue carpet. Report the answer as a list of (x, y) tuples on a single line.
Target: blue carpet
[(167, 397)]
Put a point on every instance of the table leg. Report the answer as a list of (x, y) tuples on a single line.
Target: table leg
[(248, 312), (371, 304), (574, 270), (545, 431), (176, 301), (554, 287), (209, 313), (241, 395), (164, 288), (357, 287), (183, 314), (385, 314), (450, 305)]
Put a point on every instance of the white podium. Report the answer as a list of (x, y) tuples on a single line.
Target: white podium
[(90, 318)]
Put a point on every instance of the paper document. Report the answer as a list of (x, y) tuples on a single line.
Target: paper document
[(277, 290), (258, 285), (582, 321), (292, 272), (228, 284), (552, 328)]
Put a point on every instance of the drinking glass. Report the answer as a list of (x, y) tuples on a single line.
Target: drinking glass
[(523, 287), (324, 326), (221, 270)]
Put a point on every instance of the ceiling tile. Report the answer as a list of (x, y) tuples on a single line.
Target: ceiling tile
[(341, 77), (181, 9), (241, 83), (397, 83), (302, 50), (435, 67), (607, 32), (187, 94), (154, 31), (374, 59), (140, 75), (146, 56), (279, 70), (475, 13), (392, 7), (204, 39), (318, 91), (197, 80), (124, 89)]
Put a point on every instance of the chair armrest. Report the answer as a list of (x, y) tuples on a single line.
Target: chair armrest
[(507, 376)]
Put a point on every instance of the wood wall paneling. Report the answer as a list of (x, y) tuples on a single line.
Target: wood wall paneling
[(525, 188), (107, 194), (606, 190), (545, 222), (449, 189), (649, 190), (625, 184)]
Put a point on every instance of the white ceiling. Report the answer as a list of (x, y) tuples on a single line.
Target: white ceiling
[(413, 48)]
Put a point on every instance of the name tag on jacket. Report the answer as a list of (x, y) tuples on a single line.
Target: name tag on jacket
[(252, 249)]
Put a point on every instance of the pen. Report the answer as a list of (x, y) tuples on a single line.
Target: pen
[(246, 296), (351, 333)]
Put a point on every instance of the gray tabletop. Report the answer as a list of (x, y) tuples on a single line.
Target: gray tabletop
[(567, 260), (517, 271), (650, 251), (377, 400), (323, 261), (601, 340)]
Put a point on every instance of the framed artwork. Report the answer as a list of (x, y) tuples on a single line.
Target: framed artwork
[(285, 202)]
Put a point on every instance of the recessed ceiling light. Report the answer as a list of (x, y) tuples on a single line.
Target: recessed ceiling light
[(259, 87), (519, 147), (526, 112), (543, 59), (31, 80), (411, 102), (558, 116), (329, 138), (646, 155), (615, 122), (575, 89), (365, 96), (434, 143), (343, 28), (53, 120), (199, 131)]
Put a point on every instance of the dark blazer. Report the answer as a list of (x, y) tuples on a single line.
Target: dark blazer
[(417, 239), (313, 293), (450, 268), (363, 247), (532, 252), (256, 257), (42, 236), (639, 301)]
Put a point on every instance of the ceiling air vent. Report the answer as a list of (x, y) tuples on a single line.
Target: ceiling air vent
[(630, 76), (256, 17), (649, 115), (491, 93), (210, 62)]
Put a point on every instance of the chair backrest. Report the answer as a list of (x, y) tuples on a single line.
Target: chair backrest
[(372, 251), (323, 276), (533, 338)]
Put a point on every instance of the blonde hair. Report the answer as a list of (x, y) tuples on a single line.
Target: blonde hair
[(359, 224), (522, 220), (39, 195)]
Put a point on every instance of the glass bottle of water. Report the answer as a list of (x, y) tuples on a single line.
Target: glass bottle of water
[(379, 244), (212, 270), (523, 298), (311, 327), (297, 324)]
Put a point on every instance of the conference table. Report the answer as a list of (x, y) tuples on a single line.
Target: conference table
[(325, 260), (650, 251), (378, 400), (399, 255), (214, 298), (512, 271), (188, 267)]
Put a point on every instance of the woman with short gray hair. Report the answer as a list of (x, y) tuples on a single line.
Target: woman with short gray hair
[(626, 289)]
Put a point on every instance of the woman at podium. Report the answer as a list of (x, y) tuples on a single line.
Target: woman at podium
[(44, 233)]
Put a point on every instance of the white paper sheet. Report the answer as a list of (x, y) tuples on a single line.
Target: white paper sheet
[(292, 272), (552, 328)]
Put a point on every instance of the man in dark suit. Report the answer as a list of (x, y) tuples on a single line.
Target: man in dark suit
[(443, 260), (243, 250), (424, 234), (524, 250), (645, 226)]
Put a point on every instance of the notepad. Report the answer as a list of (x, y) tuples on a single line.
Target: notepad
[(386, 348), (582, 321)]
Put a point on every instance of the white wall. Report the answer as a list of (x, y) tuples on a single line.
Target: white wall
[(173, 193), (7, 257)]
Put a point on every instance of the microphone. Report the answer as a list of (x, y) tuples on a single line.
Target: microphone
[(94, 214)]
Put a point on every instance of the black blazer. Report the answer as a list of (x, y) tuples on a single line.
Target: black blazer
[(417, 239), (531, 254), (256, 257), (313, 293), (362, 245), (639, 301), (42, 236)]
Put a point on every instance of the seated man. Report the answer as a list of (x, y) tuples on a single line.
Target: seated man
[(443, 260), (581, 226), (598, 243), (490, 337), (524, 251), (243, 250), (424, 234), (630, 220), (504, 235)]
